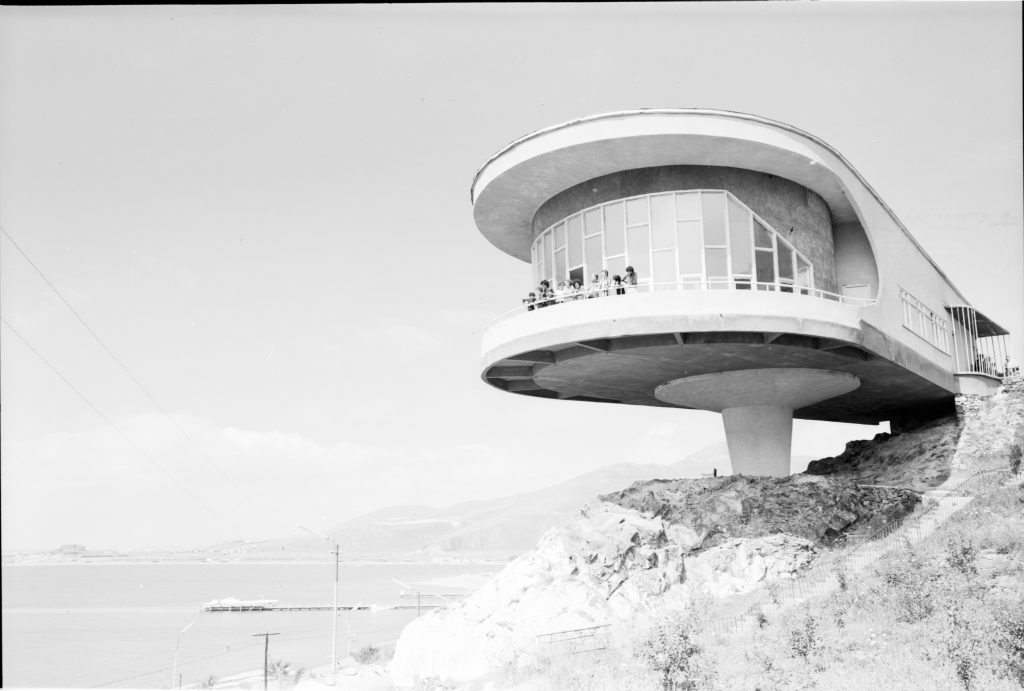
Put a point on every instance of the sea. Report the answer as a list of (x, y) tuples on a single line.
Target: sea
[(117, 625)]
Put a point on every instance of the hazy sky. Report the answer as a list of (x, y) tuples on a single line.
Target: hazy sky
[(264, 213)]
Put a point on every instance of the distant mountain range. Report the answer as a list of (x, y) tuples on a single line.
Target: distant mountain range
[(495, 527)]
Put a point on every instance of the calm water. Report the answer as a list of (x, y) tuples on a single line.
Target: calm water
[(116, 624)]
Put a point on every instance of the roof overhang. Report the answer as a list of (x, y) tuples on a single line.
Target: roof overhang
[(509, 189), (985, 326)]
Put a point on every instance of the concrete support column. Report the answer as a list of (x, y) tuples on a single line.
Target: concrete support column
[(760, 438), (757, 408)]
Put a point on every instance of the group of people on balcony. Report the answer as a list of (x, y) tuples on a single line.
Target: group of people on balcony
[(600, 285)]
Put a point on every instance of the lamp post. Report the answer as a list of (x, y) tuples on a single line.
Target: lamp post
[(334, 634), (177, 646)]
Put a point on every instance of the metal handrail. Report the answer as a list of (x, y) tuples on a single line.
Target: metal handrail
[(686, 285)]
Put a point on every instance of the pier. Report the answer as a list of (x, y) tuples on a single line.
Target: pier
[(274, 607)]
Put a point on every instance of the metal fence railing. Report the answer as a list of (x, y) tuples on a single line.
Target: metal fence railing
[(832, 572), (573, 641), (554, 298)]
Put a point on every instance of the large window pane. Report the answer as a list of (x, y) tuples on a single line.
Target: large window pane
[(575, 241), (617, 267), (803, 273), (765, 264), (690, 247), (614, 225), (592, 222), (665, 269), (762, 237), (593, 251), (785, 262), (717, 267), (663, 221), (636, 211), (716, 262), (739, 239), (638, 244), (687, 206), (560, 265), (560, 235), (713, 208), (547, 257)]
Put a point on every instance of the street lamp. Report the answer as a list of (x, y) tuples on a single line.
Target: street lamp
[(174, 674), (334, 635)]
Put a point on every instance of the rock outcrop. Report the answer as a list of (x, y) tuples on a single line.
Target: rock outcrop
[(982, 434), (818, 509), (660, 544), (919, 458)]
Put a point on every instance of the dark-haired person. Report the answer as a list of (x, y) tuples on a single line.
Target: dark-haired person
[(529, 301), (630, 279), (576, 290), (617, 285)]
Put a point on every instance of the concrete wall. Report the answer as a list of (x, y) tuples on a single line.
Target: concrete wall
[(855, 262), (782, 203)]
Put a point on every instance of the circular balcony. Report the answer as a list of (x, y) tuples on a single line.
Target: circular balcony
[(621, 348)]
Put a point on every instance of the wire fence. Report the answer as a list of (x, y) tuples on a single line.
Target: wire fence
[(575, 641), (830, 573), (834, 571)]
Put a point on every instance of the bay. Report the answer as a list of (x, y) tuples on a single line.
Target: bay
[(116, 625)]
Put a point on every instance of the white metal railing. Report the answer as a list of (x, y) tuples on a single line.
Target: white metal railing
[(977, 350), (555, 299)]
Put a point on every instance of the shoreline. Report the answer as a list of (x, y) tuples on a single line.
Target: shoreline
[(258, 562)]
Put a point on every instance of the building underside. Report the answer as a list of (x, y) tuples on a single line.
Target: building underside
[(629, 369)]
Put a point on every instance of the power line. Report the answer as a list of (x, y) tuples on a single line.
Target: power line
[(164, 669), (125, 369), (118, 429)]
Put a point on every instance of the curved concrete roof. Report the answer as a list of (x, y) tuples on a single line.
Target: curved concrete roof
[(512, 185)]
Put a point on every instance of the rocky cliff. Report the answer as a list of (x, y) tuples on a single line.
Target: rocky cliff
[(671, 544), (659, 544)]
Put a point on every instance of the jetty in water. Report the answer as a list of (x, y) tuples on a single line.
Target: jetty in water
[(231, 604)]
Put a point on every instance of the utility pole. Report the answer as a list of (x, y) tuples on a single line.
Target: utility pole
[(175, 677), (334, 628), (419, 595), (266, 653)]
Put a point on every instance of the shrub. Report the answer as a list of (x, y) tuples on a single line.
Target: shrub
[(367, 655), (670, 648), (803, 638), (1010, 640), (961, 555)]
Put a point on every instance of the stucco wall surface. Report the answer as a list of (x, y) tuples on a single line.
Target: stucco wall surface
[(855, 263), (782, 203)]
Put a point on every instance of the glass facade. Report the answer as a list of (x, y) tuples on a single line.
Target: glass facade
[(695, 239)]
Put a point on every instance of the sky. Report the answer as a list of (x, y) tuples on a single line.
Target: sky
[(263, 213)]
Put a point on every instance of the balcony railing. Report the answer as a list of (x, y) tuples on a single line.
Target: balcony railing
[(980, 346), (686, 285)]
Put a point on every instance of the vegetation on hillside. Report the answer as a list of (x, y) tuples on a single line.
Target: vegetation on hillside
[(946, 613)]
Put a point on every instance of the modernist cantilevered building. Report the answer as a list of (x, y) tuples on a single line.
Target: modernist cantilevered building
[(774, 282)]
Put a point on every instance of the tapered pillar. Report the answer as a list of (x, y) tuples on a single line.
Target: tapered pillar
[(757, 409), (760, 438)]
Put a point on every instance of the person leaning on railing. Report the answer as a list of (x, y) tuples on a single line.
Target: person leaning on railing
[(630, 279)]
